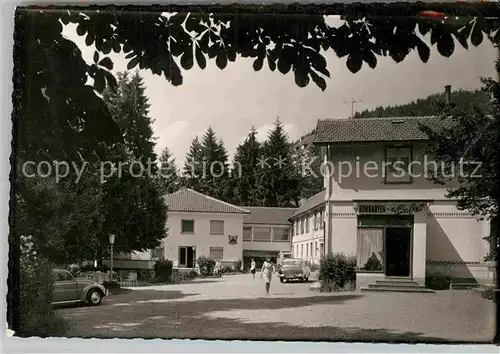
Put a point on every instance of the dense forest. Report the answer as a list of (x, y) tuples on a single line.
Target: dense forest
[(428, 106)]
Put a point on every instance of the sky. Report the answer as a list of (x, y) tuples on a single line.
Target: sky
[(233, 100)]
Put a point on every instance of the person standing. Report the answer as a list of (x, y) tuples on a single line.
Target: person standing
[(252, 268), (267, 273)]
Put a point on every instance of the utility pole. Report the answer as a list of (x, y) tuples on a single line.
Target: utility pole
[(353, 101)]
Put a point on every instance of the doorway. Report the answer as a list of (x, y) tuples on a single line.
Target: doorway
[(398, 251), (187, 257)]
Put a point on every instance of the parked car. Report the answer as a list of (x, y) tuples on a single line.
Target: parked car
[(292, 268), (68, 289)]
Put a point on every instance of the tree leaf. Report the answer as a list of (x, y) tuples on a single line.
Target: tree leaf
[(200, 58), (221, 61), (99, 82), (111, 80), (446, 45), (423, 51), (133, 63), (301, 77), (370, 58), (284, 65), (463, 36), (187, 59), (80, 29), (354, 62), (271, 63), (89, 40), (258, 63), (107, 63), (476, 37), (96, 56), (318, 80)]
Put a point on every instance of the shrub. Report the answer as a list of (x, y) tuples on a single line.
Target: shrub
[(438, 282), (38, 317), (111, 285), (163, 270), (489, 293), (337, 269), (192, 274), (206, 265), (237, 265)]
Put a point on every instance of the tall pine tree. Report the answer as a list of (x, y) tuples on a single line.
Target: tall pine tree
[(193, 165), (132, 202), (245, 171), (168, 177), (280, 183)]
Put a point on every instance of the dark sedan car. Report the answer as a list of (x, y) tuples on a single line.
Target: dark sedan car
[(68, 289)]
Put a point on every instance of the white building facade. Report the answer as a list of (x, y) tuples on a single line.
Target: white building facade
[(396, 223), (308, 229)]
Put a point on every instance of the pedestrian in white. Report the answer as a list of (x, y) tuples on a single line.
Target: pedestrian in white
[(252, 268), (267, 273)]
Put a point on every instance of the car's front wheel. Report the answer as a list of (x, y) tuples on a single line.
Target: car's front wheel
[(94, 297)]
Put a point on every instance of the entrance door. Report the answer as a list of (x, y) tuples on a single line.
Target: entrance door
[(187, 256), (398, 251)]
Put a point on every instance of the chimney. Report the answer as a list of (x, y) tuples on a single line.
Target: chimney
[(447, 94)]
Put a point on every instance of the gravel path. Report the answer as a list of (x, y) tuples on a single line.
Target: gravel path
[(235, 307)]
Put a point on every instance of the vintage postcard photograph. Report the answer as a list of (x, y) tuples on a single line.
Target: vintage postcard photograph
[(255, 173)]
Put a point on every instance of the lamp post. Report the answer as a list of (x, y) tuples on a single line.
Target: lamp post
[(111, 242)]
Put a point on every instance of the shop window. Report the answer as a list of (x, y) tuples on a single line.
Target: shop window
[(370, 249)]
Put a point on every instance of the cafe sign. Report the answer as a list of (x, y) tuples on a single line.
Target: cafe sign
[(394, 208)]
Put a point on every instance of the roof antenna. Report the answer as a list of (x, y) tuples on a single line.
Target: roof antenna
[(353, 101)]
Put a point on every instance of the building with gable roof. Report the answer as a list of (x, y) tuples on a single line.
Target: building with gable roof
[(379, 207)]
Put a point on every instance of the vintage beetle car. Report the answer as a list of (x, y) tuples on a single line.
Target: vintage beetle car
[(293, 268), (68, 289)]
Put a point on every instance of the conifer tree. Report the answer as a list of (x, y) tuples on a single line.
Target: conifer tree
[(192, 171), (280, 183), (168, 176), (245, 172)]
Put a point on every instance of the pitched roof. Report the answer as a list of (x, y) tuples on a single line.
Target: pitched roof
[(311, 203), (268, 215), (189, 200), (375, 129)]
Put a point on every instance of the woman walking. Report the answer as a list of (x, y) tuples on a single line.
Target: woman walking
[(267, 273), (252, 268)]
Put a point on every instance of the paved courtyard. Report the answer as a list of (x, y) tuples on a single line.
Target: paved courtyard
[(235, 307)]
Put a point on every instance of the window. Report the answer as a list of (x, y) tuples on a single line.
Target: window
[(301, 225), (307, 223), (296, 227), (187, 256), (311, 253), (187, 226), (369, 249), (216, 252), (293, 229), (158, 252), (301, 250), (316, 249), (321, 219), (321, 249), (262, 234), (247, 233), (316, 220), (307, 250), (297, 251), (281, 234), (397, 164), (216, 227), (62, 276)]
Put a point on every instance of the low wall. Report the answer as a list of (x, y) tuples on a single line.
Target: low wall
[(482, 272), (129, 263)]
